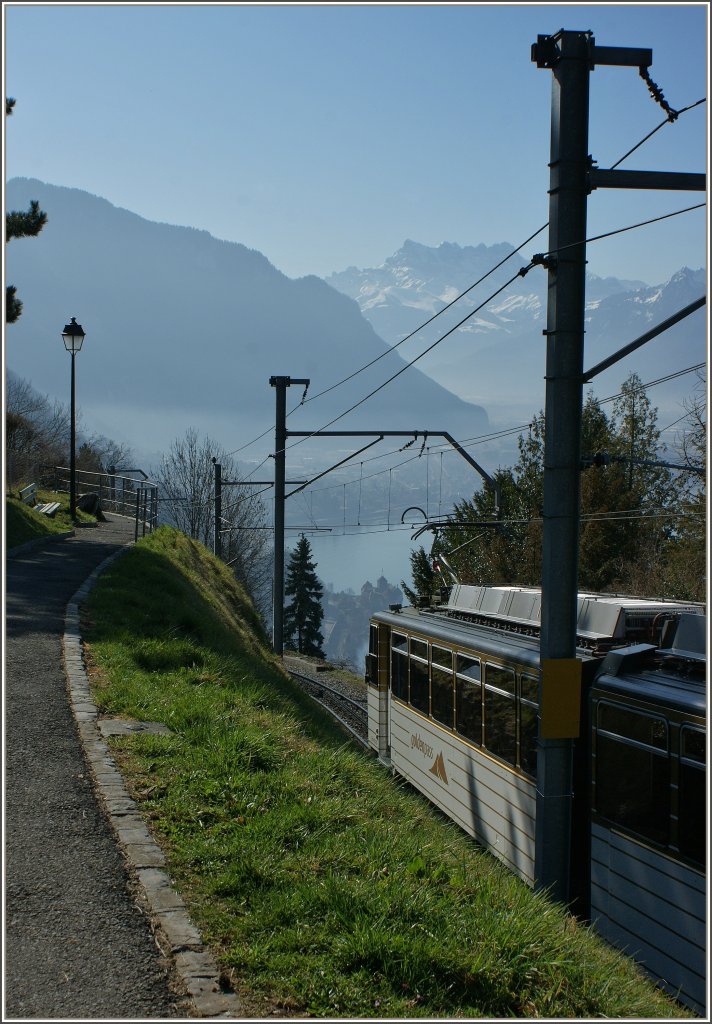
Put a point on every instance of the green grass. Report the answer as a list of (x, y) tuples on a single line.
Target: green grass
[(23, 524), (322, 886)]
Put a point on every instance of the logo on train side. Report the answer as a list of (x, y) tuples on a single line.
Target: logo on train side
[(418, 743), (438, 766)]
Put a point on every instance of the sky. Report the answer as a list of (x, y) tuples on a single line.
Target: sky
[(326, 135)]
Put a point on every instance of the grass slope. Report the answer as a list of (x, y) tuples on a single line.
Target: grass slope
[(322, 886), (23, 524)]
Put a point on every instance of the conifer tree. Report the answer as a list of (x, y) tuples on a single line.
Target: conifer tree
[(630, 524), (19, 225), (303, 617), (425, 581)]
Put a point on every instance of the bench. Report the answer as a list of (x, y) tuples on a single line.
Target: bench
[(28, 496)]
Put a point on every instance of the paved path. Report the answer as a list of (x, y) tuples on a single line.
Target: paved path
[(76, 944)]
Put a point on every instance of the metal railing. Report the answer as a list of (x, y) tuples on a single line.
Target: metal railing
[(134, 495)]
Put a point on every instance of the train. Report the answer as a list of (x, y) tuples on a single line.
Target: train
[(453, 708)]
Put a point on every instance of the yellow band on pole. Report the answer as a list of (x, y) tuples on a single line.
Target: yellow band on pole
[(560, 698)]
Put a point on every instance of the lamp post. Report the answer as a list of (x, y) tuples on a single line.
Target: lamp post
[(73, 336)]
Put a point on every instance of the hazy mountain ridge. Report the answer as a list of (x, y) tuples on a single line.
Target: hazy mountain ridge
[(185, 327), (424, 279), (500, 351)]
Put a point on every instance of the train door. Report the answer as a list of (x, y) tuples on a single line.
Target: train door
[(377, 673)]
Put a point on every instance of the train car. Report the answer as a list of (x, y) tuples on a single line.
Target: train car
[(453, 709), (648, 808)]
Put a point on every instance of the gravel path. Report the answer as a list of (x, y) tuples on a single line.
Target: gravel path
[(76, 943)]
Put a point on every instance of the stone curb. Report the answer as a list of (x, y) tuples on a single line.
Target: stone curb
[(177, 935)]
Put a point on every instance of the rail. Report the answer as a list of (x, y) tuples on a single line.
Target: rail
[(125, 495), (309, 684)]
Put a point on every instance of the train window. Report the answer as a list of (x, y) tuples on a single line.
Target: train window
[(633, 725), (419, 688), (419, 648), (399, 666), (528, 725), (530, 689), (468, 709), (469, 667), (372, 657), (692, 744), (692, 825), (502, 678), (442, 694), (500, 713), (440, 656), (632, 771), (468, 698)]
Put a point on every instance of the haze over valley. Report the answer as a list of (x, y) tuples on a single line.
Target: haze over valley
[(184, 330)]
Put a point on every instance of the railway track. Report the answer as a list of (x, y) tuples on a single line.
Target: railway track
[(340, 700)]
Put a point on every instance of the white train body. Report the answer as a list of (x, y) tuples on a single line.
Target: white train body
[(453, 709)]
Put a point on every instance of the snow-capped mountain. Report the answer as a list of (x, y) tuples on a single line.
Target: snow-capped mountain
[(499, 353), (419, 280)]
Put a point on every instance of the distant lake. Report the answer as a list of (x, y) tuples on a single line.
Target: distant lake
[(347, 561)]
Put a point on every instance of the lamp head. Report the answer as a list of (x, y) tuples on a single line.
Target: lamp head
[(73, 336)]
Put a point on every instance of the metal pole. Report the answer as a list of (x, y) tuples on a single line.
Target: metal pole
[(72, 452), (138, 505), (564, 368), (217, 542), (145, 503), (280, 384)]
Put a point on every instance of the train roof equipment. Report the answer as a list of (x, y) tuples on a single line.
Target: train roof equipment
[(604, 620)]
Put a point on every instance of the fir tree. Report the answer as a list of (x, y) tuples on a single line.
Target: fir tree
[(632, 537), (19, 225), (425, 581), (303, 617)]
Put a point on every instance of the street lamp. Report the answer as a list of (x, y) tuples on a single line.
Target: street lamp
[(73, 336)]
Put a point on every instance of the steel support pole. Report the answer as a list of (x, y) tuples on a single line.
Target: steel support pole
[(280, 384), (217, 539), (72, 450), (564, 368)]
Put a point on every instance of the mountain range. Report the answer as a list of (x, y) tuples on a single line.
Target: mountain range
[(183, 329), (498, 356)]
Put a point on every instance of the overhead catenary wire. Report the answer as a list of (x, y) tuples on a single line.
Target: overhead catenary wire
[(653, 383), (426, 323), (305, 401), (429, 321), (482, 439), (468, 442), (657, 129), (540, 257), (407, 366), (627, 515), (536, 260)]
